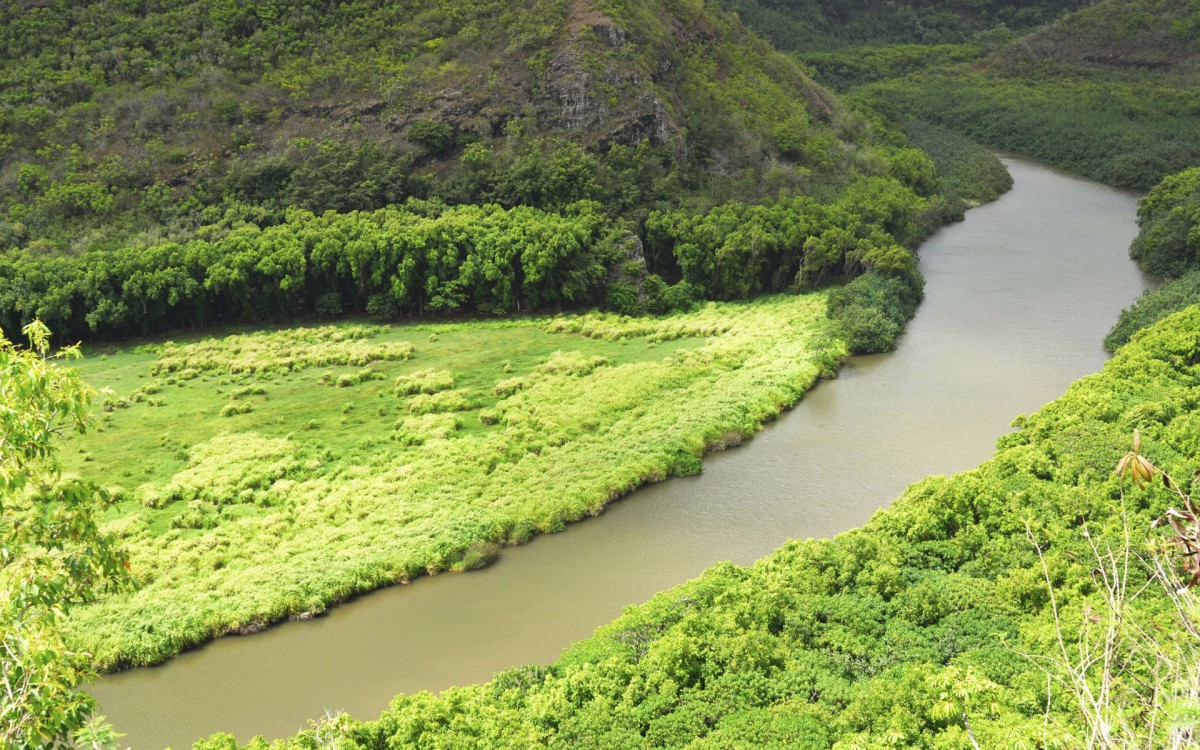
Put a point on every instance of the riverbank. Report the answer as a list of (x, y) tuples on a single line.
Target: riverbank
[(990, 592)]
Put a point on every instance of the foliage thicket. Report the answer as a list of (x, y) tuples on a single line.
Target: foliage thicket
[(1125, 128), (1169, 218), (1106, 91), (52, 553), (968, 175), (244, 500), (871, 311), (821, 25), (1169, 245), (941, 616), (424, 257)]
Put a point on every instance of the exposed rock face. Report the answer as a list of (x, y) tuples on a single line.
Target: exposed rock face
[(571, 88), (585, 77), (609, 33), (612, 102)]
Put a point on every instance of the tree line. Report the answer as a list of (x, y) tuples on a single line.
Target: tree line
[(425, 257)]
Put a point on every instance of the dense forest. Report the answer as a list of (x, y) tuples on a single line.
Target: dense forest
[(1168, 245)]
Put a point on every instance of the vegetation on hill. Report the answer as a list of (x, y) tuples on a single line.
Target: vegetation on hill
[(157, 120), (244, 499), (1168, 244), (823, 25), (1106, 90), (203, 164), (1015, 604)]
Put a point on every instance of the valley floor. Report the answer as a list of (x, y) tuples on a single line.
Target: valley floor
[(267, 475)]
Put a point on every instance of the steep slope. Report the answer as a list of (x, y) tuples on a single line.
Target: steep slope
[(120, 117)]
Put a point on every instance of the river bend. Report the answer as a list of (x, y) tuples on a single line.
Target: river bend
[(1018, 298)]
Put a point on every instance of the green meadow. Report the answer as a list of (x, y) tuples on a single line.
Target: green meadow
[(269, 474)]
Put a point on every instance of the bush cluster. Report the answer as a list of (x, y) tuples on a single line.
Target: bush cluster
[(427, 380), (870, 312), (277, 352), (1168, 244)]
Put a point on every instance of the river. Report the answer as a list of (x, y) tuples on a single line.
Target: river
[(1017, 300)]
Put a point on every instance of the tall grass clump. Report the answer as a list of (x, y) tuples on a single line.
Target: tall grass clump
[(288, 350), (427, 380)]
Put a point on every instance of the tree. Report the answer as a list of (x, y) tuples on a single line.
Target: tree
[(52, 553)]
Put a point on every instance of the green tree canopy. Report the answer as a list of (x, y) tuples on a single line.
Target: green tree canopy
[(52, 553)]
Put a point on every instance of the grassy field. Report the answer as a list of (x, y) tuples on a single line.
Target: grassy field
[(266, 475)]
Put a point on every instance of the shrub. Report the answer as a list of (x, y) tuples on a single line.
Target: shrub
[(424, 381), (870, 311), (199, 515), (509, 386), (247, 390), (381, 307), (436, 137), (345, 380), (477, 555), (623, 298), (443, 401), (866, 329), (417, 430), (489, 416), (329, 304), (239, 407)]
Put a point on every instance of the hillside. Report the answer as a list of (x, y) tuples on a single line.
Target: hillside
[(1162, 35), (410, 159), (1105, 89), (824, 25), (121, 118)]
